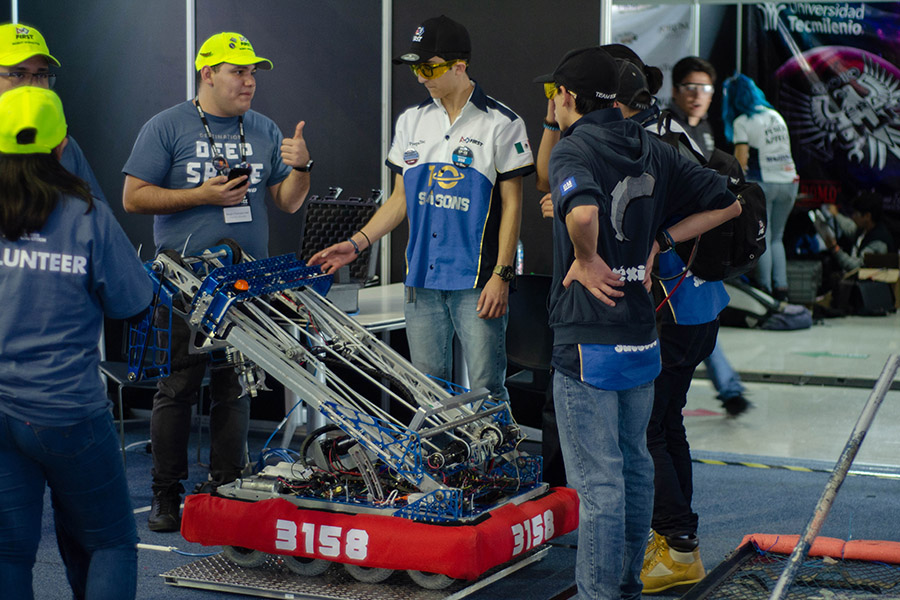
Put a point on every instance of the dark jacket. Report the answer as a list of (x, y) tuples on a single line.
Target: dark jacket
[(637, 182)]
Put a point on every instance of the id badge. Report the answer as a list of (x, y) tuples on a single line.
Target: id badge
[(238, 214)]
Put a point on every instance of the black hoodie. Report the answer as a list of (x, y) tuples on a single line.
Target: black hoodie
[(637, 181)]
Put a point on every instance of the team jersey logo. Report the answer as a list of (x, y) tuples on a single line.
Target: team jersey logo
[(567, 186), (463, 157), (447, 176)]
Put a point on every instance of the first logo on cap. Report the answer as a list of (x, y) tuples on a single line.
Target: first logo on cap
[(417, 36)]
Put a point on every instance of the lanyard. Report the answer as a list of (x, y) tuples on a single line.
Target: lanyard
[(220, 162)]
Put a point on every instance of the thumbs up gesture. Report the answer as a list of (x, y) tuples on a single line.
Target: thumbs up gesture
[(293, 150)]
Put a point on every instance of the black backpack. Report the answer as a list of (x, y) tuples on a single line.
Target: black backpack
[(734, 247)]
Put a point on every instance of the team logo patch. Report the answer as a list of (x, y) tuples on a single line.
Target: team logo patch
[(567, 186), (417, 36), (22, 31), (522, 147), (411, 157), (463, 157), (447, 176)]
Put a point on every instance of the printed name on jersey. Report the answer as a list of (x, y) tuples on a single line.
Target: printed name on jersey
[(55, 262), (444, 201)]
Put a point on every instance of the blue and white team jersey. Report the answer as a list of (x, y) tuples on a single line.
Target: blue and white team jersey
[(695, 301), (172, 151), (450, 173)]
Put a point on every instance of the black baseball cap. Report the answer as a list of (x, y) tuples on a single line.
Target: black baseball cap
[(633, 91), (652, 75), (438, 36), (589, 72)]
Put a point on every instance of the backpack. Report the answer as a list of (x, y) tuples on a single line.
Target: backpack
[(734, 247)]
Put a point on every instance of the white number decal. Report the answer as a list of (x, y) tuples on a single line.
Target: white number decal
[(285, 535), (357, 546), (330, 541), (532, 532)]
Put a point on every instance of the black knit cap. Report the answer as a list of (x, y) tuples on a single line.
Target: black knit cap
[(589, 72), (440, 36)]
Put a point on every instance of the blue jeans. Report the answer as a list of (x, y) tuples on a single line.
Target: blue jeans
[(95, 527), (431, 320), (604, 441), (725, 379), (772, 267)]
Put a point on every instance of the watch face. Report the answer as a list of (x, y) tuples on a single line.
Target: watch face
[(505, 272)]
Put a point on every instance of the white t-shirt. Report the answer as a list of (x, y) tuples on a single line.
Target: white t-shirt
[(770, 146)]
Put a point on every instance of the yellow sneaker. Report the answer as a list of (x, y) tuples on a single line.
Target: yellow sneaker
[(653, 543), (667, 568)]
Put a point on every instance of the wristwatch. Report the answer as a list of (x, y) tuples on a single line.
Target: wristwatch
[(305, 169), (505, 272)]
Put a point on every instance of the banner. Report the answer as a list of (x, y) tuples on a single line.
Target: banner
[(831, 70), (660, 34)]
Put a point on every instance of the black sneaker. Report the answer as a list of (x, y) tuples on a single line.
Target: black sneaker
[(735, 406), (205, 487), (164, 512)]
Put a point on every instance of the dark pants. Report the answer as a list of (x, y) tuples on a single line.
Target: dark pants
[(170, 423), (683, 347)]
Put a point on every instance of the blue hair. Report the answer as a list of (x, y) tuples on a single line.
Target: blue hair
[(741, 97)]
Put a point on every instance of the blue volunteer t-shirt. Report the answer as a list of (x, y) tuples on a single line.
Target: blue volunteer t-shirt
[(172, 151), (74, 161), (57, 285)]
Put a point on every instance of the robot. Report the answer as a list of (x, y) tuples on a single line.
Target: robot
[(444, 493)]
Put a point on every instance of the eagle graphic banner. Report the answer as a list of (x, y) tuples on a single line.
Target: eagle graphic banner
[(833, 71)]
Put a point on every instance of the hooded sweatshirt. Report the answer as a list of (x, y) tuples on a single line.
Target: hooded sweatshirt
[(637, 182)]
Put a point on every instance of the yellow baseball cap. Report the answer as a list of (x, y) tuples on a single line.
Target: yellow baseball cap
[(229, 47), (31, 121), (20, 42)]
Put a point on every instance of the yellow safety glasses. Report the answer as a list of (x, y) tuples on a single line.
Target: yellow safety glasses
[(432, 70), (550, 90)]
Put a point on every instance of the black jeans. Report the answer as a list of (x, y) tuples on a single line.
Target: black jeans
[(682, 347), (170, 422)]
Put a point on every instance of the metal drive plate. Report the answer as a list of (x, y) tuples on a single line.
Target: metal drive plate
[(274, 580)]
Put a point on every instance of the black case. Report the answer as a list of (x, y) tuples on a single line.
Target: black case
[(330, 220)]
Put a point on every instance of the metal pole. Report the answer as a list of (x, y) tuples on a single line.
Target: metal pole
[(837, 477), (384, 250), (740, 38), (605, 22), (190, 35)]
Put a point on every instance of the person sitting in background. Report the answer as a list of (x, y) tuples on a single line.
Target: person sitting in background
[(65, 263), (864, 231), (763, 147)]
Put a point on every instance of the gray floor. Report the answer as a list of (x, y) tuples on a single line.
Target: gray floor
[(803, 421), (789, 425)]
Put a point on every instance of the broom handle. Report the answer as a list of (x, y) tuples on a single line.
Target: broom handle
[(837, 477)]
